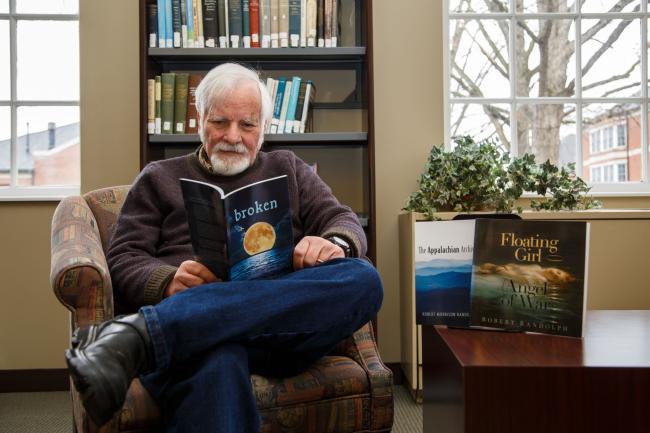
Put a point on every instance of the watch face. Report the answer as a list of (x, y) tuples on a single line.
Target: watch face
[(341, 243)]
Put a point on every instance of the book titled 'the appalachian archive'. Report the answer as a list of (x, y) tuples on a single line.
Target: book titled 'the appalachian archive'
[(443, 271), (242, 235), (530, 275)]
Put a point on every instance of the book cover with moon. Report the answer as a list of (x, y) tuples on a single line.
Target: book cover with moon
[(530, 275), (245, 234)]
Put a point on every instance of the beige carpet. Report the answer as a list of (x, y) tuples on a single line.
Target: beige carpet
[(50, 412)]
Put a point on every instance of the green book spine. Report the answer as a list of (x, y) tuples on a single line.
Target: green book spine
[(180, 102), (167, 102), (158, 105)]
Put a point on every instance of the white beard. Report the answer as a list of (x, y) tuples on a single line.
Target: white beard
[(230, 165)]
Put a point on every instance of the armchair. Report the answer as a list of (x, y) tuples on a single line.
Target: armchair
[(350, 390)]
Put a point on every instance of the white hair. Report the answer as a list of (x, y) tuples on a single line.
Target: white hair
[(221, 81)]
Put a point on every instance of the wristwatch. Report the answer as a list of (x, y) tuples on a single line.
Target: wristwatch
[(341, 243)]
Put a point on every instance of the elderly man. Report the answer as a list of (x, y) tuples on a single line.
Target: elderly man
[(195, 340)]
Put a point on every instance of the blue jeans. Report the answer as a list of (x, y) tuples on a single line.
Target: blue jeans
[(208, 339)]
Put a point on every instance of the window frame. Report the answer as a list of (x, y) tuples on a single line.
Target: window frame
[(611, 189), (14, 192)]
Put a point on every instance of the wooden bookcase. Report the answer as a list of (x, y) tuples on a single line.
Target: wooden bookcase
[(342, 138)]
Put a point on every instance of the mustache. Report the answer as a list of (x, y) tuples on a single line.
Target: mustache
[(228, 147)]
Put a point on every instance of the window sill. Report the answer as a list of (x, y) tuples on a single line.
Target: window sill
[(53, 193)]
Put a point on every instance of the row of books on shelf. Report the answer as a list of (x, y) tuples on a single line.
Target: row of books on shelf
[(509, 274), (243, 23), (171, 104), (293, 99)]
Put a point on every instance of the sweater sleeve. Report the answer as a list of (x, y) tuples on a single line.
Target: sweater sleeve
[(322, 214), (138, 276)]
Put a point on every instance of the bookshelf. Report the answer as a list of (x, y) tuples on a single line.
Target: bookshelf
[(341, 139)]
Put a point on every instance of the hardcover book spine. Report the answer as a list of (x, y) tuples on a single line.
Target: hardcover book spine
[(320, 23), (277, 105), (246, 23), (162, 41), (158, 102), (335, 23), (200, 36), (285, 106), (180, 102), (151, 106), (235, 22), (254, 7), (284, 23), (309, 97), (312, 12), (327, 23), (190, 23), (303, 23), (167, 102), (299, 107), (152, 24), (210, 23), (176, 22), (294, 23), (275, 23), (169, 26), (271, 87), (265, 23), (192, 114), (184, 23), (222, 6), (293, 101)]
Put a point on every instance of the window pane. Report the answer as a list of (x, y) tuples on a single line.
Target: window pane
[(548, 131), (545, 52), (611, 58), (479, 58), (482, 122), (4, 6), (5, 146), (47, 6), (623, 122), (48, 146), (5, 89), (608, 6), (479, 6), (534, 6), (48, 60)]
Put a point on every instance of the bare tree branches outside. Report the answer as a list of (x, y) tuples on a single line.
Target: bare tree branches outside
[(541, 76)]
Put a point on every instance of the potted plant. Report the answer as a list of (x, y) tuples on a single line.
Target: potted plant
[(484, 177)]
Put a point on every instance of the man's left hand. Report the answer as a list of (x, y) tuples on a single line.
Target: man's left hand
[(314, 250)]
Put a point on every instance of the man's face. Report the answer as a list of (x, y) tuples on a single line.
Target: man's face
[(231, 130)]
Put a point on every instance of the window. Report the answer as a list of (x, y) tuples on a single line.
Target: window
[(562, 80), (39, 99)]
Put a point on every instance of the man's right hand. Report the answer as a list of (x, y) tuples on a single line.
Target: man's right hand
[(189, 274)]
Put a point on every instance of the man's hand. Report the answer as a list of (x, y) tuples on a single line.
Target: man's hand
[(189, 274), (314, 250)]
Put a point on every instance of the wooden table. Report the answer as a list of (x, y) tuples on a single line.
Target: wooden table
[(502, 382)]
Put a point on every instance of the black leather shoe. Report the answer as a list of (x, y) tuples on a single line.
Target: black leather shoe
[(103, 361)]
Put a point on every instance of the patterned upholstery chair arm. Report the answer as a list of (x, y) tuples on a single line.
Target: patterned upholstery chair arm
[(79, 273), (362, 348)]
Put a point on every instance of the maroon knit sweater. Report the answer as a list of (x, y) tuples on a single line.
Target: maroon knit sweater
[(152, 239)]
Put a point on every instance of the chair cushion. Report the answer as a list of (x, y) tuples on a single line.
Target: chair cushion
[(334, 390)]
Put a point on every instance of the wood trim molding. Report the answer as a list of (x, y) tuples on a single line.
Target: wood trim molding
[(36, 380)]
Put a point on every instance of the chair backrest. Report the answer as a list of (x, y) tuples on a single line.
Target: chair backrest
[(106, 204)]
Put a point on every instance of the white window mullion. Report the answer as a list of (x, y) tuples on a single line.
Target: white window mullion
[(644, 93), (514, 145), (578, 92), (13, 49)]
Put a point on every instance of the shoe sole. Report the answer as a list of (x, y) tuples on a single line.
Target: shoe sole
[(99, 394)]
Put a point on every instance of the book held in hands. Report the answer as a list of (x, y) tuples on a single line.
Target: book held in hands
[(244, 234)]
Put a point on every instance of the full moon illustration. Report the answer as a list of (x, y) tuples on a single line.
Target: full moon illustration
[(259, 237)]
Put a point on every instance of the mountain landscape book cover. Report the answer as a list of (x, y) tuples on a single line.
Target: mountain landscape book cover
[(443, 272), (245, 234), (530, 275)]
